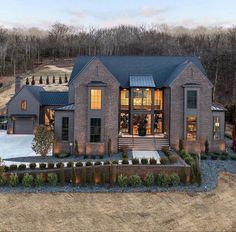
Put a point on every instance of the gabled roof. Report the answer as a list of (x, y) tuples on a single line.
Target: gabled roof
[(35, 91), (54, 98), (122, 67)]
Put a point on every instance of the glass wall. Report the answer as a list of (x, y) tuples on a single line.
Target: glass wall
[(124, 122), (124, 99), (142, 99), (142, 123)]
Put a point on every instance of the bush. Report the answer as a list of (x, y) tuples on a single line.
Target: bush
[(70, 164), (52, 179), (189, 160), (184, 177), (58, 165), (22, 167), (163, 180), (135, 181), (42, 166), (203, 157), (153, 161), (27, 180), (206, 146), (85, 156), (13, 180), (115, 162), (135, 161), (79, 164), (73, 176), (125, 161), (224, 156), (164, 160), (123, 181), (3, 179), (214, 157), (174, 179), (88, 163), (149, 180), (6, 168), (98, 163), (62, 175), (62, 155), (107, 162), (13, 167), (32, 166), (233, 157), (173, 159), (124, 150), (144, 161), (39, 179), (51, 165), (165, 149)]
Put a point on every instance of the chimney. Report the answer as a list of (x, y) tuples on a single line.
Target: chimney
[(17, 84)]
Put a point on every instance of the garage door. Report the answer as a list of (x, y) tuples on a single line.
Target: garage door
[(24, 126)]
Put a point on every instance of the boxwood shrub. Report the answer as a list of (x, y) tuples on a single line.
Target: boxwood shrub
[(144, 161), (153, 161), (123, 181), (70, 164), (135, 181), (88, 163), (79, 164), (3, 179), (98, 163), (39, 180), (164, 160), (32, 166), (174, 179), (163, 180), (51, 165), (6, 168), (58, 165), (149, 180), (27, 180), (114, 162), (135, 161), (13, 167), (22, 167), (13, 180), (233, 157), (52, 179), (42, 166), (107, 162), (125, 161)]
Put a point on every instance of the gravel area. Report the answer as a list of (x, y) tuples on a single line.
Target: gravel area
[(209, 168)]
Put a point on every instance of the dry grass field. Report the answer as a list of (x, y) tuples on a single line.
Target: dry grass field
[(212, 211)]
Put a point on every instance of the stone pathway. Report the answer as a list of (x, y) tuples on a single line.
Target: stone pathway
[(146, 154)]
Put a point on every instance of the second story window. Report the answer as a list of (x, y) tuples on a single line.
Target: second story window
[(158, 99), (124, 99), (142, 99), (24, 105), (192, 99), (96, 99)]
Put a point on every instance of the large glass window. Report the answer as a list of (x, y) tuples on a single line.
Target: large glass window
[(142, 124), (158, 123), (95, 130), (192, 128), (192, 99), (65, 129), (158, 99), (24, 105), (124, 99), (96, 99), (124, 122), (142, 99), (216, 127)]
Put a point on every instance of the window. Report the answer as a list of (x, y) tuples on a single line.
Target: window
[(142, 99), (96, 99), (192, 99), (24, 105), (147, 99), (65, 129), (216, 127), (137, 99), (124, 122), (124, 99), (192, 128), (95, 130), (158, 99)]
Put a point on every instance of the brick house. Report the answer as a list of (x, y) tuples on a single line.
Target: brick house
[(143, 102)]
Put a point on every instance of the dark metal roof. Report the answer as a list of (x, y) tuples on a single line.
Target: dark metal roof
[(70, 107), (54, 98), (218, 107), (141, 81), (164, 69)]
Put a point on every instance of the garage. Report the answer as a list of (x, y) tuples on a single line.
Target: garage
[(24, 125)]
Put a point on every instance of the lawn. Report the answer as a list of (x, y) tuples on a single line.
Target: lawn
[(212, 211)]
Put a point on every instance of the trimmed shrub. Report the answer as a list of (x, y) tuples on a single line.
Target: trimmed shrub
[(98, 163), (13, 180), (13, 167), (107, 162), (149, 180), (27, 180), (144, 161), (173, 159), (62, 155), (32, 166), (22, 167), (214, 156), (58, 165), (224, 156), (163, 180), (3, 179), (88, 163), (233, 157), (42, 166), (125, 161), (174, 179), (164, 160), (52, 179), (70, 164), (123, 181), (85, 156), (203, 157), (135, 161), (165, 149), (153, 161), (135, 181), (124, 150), (114, 162), (206, 144), (51, 165), (73, 176), (62, 175), (39, 179), (79, 164), (6, 168), (189, 160)]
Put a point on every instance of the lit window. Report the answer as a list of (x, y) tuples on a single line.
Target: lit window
[(24, 105), (65, 129), (142, 99), (124, 99), (158, 99), (147, 99), (96, 99), (191, 128), (95, 130), (216, 127), (192, 99), (137, 99)]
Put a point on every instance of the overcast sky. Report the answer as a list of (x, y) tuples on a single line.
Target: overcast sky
[(189, 13)]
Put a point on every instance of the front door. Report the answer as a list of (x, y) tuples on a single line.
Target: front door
[(142, 124)]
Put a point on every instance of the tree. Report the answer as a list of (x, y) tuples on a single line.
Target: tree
[(43, 140), (66, 79), (32, 81), (53, 79), (41, 80), (60, 80), (47, 80), (27, 81)]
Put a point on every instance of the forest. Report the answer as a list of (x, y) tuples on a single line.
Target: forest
[(22, 50)]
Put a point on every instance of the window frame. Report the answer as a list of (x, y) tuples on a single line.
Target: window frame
[(95, 127), (65, 130), (22, 107), (191, 102), (96, 99)]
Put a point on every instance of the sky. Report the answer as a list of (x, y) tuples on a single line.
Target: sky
[(109, 13)]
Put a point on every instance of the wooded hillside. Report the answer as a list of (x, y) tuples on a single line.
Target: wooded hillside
[(21, 50)]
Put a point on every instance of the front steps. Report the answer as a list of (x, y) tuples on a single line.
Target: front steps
[(143, 143)]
